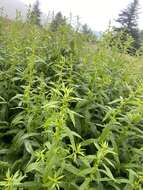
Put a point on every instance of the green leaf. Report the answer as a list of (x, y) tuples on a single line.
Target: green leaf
[(28, 146), (108, 172), (105, 134), (85, 184), (71, 114), (70, 168)]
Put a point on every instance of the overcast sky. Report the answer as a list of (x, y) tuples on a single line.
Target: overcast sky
[(96, 13)]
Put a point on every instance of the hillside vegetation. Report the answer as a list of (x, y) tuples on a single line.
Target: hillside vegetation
[(71, 112)]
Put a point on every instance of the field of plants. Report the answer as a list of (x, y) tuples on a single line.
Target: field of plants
[(71, 112)]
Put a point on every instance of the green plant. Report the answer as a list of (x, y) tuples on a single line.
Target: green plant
[(70, 112)]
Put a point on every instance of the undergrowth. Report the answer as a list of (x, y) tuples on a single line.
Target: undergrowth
[(71, 114)]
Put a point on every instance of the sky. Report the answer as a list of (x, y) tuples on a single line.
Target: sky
[(96, 13)]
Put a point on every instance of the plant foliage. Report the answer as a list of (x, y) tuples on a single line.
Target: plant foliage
[(71, 113)]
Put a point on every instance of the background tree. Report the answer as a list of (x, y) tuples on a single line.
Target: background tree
[(34, 16), (128, 21), (89, 34), (58, 20), (141, 36), (86, 29)]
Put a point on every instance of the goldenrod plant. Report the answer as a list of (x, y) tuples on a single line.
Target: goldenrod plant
[(71, 111)]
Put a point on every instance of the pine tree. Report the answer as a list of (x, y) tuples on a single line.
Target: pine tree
[(35, 14), (128, 20), (141, 36), (88, 33), (86, 29), (57, 21)]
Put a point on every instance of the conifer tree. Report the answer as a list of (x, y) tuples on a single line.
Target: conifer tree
[(35, 14), (86, 29), (58, 21), (128, 21)]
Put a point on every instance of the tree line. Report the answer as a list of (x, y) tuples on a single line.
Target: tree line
[(127, 24)]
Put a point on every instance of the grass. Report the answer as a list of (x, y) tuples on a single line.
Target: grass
[(70, 111)]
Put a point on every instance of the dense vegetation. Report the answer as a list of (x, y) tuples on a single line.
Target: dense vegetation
[(71, 111)]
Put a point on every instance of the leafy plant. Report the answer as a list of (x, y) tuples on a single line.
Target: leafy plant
[(70, 110)]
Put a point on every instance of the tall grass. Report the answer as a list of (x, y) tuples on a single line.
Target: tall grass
[(70, 111)]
